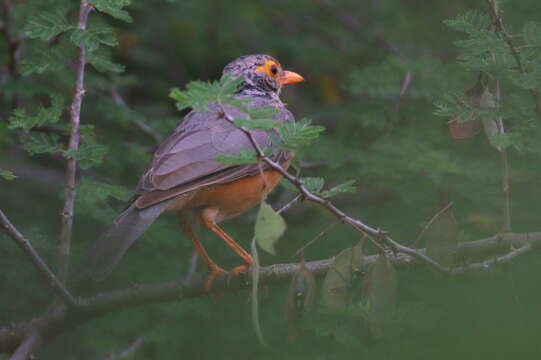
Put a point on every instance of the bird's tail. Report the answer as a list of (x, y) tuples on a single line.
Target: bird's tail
[(111, 246)]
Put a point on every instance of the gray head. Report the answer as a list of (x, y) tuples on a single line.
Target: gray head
[(262, 74)]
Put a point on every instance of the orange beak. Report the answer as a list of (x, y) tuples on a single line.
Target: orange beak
[(289, 77)]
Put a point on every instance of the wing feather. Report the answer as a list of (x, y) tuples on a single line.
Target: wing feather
[(186, 160)]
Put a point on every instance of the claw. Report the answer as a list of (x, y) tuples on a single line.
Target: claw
[(214, 272), (237, 270), (242, 268)]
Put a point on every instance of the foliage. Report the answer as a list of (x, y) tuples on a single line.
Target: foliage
[(7, 175), (269, 227), (382, 80), (45, 116)]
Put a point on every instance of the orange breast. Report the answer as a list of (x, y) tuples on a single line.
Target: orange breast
[(234, 198)]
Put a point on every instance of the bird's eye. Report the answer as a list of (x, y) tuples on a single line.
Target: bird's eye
[(274, 70)]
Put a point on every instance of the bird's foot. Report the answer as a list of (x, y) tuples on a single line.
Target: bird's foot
[(214, 272), (237, 270)]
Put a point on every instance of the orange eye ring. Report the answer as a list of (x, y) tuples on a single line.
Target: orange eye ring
[(283, 77), (270, 68)]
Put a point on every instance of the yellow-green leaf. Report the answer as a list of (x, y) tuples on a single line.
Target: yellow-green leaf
[(269, 227), (7, 175)]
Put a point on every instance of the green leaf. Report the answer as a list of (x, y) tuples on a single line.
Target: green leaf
[(41, 143), (259, 113), (470, 22), (528, 81), (49, 115), (199, 94), (255, 124), (343, 280), (88, 155), (7, 175), (47, 24), (456, 107), (269, 227), (313, 184), (90, 191), (114, 8), (346, 187), (380, 292), (297, 134), (245, 156), (441, 236), (532, 33), (92, 38), (300, 296), (92, 199), (42, 58), (102, 63), (229, 85)]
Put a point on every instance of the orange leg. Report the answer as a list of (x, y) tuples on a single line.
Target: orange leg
[(214, 269), (208, 217)]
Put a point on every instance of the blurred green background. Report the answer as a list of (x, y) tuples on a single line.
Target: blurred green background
[(355, 57)]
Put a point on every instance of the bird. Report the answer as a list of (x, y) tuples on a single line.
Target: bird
[(184, 178)]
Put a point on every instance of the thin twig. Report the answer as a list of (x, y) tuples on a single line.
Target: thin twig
[(487, 264), (504, 169), (427, 226), (141, 125), (289, 204), (309, 243), (500, 29), (418, 255), (327, 204), (356, 224), (38, 262), (406, 83), (71, 168), (304, 191)]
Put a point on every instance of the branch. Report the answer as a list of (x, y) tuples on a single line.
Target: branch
[(71, 168), (25, 245), (328, 205), (31, 343), (487, 264), (498, 23), (504, 170), (60, 319)]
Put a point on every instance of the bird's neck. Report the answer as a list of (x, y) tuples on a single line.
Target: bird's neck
[(247, 90)]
